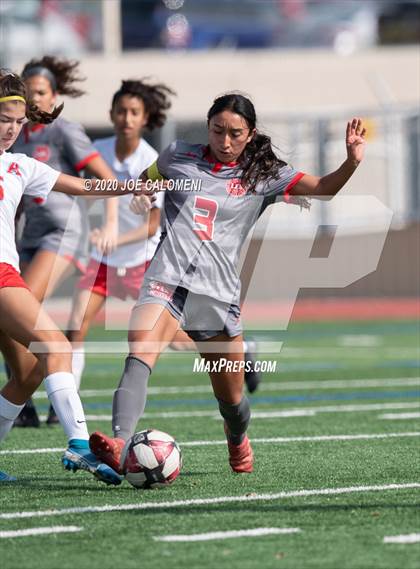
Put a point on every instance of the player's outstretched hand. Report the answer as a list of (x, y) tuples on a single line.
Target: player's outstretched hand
[(355, 140), (105, 239), (140, 205)]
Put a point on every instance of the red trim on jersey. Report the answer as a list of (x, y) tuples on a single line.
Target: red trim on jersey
[(27, 129), (36, 127), (9, 277), (291, 184), (83, 163), (217, 165)]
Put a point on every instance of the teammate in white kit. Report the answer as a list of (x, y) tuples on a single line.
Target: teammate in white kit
[(135, 106), (193, 279), (23, 323), (54, 241)]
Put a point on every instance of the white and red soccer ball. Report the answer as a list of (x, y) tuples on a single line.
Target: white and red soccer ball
[(151, 459)]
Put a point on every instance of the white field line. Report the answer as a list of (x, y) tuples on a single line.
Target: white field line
[(269, 386), (347, 352), (292, 412), (206, 501), (39, 531), (409, 538), (395, 416), (274, 440), (256, 532), (320, 438), (360, 340)]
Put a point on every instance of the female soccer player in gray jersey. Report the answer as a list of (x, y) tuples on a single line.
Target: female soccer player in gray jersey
[(24, 325), (54, 240), (193, 280)]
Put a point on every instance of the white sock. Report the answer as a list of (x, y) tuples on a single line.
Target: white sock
[(63, 396), (245, 344), (78, 365), (8, 413)]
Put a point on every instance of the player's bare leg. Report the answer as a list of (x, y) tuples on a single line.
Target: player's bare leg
[(45, 272), (234, 407), (23, 320), (43, 275), (130, 397)]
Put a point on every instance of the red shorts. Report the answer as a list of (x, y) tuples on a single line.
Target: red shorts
[(112, 281), (10, 277)]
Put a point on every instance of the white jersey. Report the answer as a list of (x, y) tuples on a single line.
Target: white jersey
[(137, 253), (19, 175)]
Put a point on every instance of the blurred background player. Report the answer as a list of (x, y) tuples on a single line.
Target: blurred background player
[(135, 106), (54, 242), (24, 324), (192, 280)]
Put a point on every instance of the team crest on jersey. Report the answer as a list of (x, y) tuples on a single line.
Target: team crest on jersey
[(14, 169), (161, 290), (42, 153), (235, 188)]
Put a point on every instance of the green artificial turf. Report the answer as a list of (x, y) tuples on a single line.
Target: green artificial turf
[(343, 531)]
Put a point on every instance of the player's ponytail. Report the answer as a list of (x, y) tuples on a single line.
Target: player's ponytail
[(61, 74), (258, 161), (155, 97), (11, 85)]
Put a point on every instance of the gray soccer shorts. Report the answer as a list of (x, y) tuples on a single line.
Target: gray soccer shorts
[(202, 317)]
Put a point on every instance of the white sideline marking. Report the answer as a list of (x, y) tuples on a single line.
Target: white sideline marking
[(39, 531), (292, 412), (282, 440), (268, 386), (348, 352), (409, 538), (207, 501), (359, 340), (226, 534), (33, 450), (391, 416), (274, 440)]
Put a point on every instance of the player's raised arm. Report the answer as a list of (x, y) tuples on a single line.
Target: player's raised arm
[(327, 186)]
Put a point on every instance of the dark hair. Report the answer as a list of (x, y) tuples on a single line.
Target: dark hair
[(61, 73), (13, 85), (258, 159), (155, 99)]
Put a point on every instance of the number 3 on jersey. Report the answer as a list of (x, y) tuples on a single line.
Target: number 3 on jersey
[(204, 217)]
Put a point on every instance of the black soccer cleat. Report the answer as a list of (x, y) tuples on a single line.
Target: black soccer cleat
[(252, 378), (28, 417), (52, 418)]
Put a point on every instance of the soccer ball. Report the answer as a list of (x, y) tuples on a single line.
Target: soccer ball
[(151, 459)]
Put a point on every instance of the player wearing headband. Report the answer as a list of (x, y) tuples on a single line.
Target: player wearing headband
[(32, 345), (54, 241)]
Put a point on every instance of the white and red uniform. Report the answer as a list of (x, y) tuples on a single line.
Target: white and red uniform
[(120, 274), (19, 175)]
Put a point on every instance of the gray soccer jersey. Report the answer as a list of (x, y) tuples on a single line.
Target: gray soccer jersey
[(60, 223), (204, 230)]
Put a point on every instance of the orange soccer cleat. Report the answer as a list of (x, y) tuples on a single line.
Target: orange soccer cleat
[(107, 449), (241, 457)]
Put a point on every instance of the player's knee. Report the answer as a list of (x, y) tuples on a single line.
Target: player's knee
[(54, 353)]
